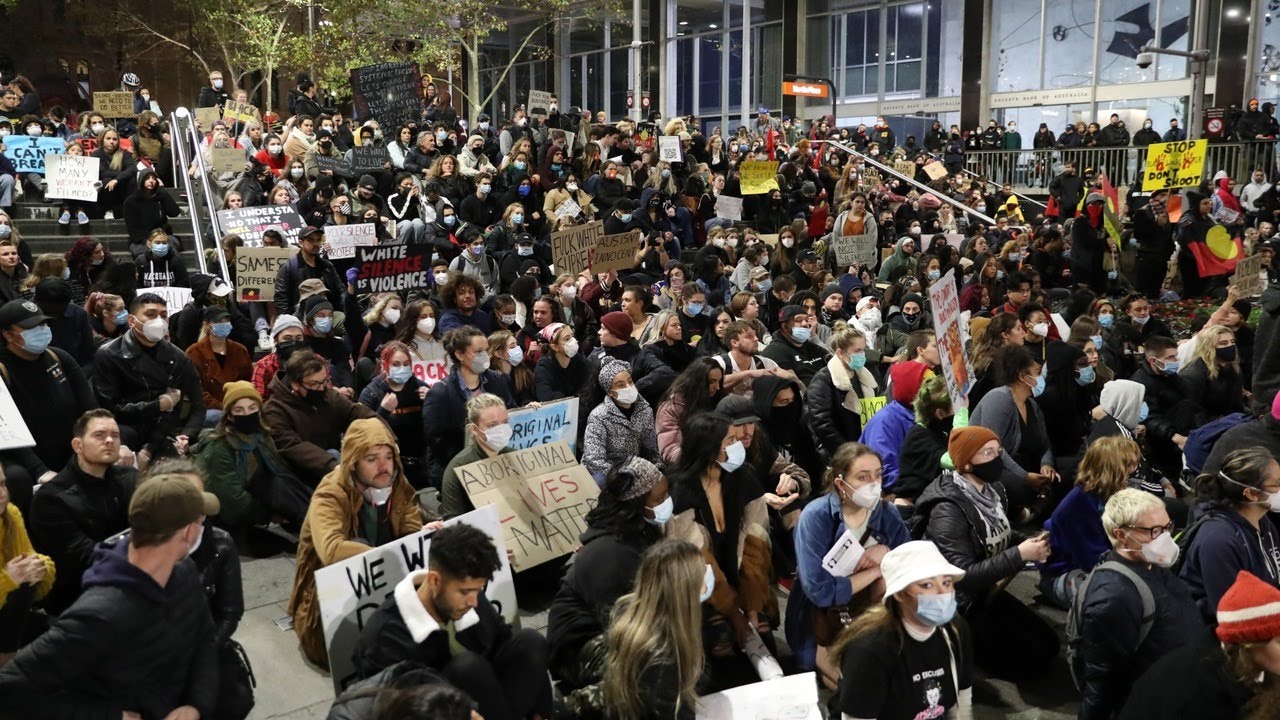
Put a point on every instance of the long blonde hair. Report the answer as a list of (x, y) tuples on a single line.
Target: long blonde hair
[(1104, 469), (660, 621), (47, 265), (1206, 349)]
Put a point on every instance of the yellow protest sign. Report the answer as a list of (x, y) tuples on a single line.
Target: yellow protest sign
[(759, 177), (1174, 165), (872, 405)]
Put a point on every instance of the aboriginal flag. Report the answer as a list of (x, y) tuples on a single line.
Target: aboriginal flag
[(1215, 250)]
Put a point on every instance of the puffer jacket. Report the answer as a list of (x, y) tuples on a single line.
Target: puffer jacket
[(613, 436), (835, 406), (949, 519), (128, 644), (329, 532), (444, 417), (658, 365)]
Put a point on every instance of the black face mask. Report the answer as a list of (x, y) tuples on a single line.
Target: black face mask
[(247, 424), (315, 397), (989, 472), (944, 425), (285, 350)]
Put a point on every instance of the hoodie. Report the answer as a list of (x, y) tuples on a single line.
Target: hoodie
[(899, 263), (1251, 193), (1122, 400), (145, 211)]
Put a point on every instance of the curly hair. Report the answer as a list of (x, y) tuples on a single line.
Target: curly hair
[(457, 281), (80, 256), (461, 551)]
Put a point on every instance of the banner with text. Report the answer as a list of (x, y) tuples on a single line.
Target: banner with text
[(615, 252), (341, 241), (113, 104), (238, 112), (1249, 276), (387, 92), (250, 222), (71, 177), (351, 590), (553, 422), (393, 268), (571, 247), (946, 326), (28, 153), (759, 177), (1174, 165), (850, 249), (334, 164), (543, 496), (256, 270)]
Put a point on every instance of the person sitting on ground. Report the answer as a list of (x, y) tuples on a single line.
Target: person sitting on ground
[(440, 618), (886, 431), (218, 360), (26, 577), (488, 434), (621, 426), (286, 336), (364, 502), (396, 395)]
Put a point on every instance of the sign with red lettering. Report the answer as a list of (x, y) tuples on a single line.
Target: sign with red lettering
[(430, 371), (392, 268), (543, 496)]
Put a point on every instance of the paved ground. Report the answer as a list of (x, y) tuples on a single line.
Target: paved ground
[(290, 688)]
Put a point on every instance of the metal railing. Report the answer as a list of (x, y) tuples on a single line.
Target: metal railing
[(186, 142)]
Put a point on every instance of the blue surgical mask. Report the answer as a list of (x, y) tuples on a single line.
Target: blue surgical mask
[(1085, 376), (517, 218), (857, 361), (524, 250), (1097, 341), (999, 274), (450, 220), (323, 325), (1038, 389), (524, 190), (936, 610), (36, 340), (1107, 320), (122, 317), (160, 249), (521, 165), (515, 355), (708, 584), (222, 330), (1143, 412), (1171, 367), (666, 174), (626, 217), (400, 374), (934, 275), (800, 334), (765, 285), (696, 308), (485, 188), (662, 513)]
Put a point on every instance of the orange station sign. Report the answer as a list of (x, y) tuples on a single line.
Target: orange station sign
[(805, 89)]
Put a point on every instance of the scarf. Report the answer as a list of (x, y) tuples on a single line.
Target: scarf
[(843, 382), (987, 502), (1228, 200)]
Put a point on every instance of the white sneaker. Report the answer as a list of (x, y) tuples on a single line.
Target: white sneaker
[(109, 216), (64, 218)]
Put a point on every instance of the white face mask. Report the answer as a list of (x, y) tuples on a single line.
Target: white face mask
[(735, 455), (498, 436), (155, 330), (628, 395), (274, 149), (569, 292), (441, 279), (870, 319), (866, 496), (662, 512), (1041, 329), (571, 347), (377, 496), (788, 242), (97, 128), (391, 316), (426, 326), (199, 539), (1162, 551)]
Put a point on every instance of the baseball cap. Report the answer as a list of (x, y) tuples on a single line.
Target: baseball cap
[(164, 504), (807, 256), (739, 409), (214, 313), (310, 230), (23, 313), (790, 312), (219, 288)]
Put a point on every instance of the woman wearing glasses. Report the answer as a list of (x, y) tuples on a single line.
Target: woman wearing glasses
[(1231, 531), (1118, 639)]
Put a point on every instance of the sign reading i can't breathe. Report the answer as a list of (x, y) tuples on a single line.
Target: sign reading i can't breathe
[(28, 153)]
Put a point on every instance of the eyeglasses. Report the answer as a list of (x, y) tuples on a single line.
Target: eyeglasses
[(319, 385), (986, 454), (1152, 532)]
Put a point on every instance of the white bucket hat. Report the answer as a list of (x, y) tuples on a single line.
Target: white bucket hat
[(911, 562)]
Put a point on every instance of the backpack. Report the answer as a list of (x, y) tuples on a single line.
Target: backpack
[(1074, 638), (1200, 440)]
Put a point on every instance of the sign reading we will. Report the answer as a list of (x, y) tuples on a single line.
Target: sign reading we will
[(543, 496)]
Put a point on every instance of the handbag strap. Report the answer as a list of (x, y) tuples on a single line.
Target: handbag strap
[(955, 678)]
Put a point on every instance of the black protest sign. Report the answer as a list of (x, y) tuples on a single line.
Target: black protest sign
[(387, 92), (250, 222), (369, 158), (391, 268), (337, 165)]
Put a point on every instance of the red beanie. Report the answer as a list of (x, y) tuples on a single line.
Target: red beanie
[(1249, 612), (907, 377), (618, 324)]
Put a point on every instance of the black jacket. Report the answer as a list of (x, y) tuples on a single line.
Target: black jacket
[(211, 98), (919, 460), (126, 644), (1066, 190), (291, 275), (949, 519), (1193, 682), (552, 382), (71, 514), (444, 416), (130, 379), (358, 701), (218, 561), (1266, 351), (1155, 242), (658, 365), (1215, 396), (805, 360), (831, 423), (1145, 137), (144, 212)]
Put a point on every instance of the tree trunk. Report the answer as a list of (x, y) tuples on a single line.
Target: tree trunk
[(473, 79)]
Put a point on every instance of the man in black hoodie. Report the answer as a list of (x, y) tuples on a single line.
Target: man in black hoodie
[(139, 643), (791, 347)]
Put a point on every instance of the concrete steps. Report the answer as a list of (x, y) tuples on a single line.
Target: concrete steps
[(37, 221)]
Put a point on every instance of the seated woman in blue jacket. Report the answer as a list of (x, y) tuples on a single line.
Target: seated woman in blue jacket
[(839, 541), (1076, 536), (1230, 530)]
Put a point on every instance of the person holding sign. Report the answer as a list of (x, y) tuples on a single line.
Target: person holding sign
[(116, 170), (363, 502), (396, 395), (440, 618)]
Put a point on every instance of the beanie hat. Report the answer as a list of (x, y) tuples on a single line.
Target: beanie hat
[(1249, 612), (315, 304), (284, 322), (239, 390), (965, 442), (831, 289), (907, 377), (618, 324), (609, 370)]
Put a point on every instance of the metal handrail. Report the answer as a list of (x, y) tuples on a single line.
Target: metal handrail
[(987, 181), (181, 119), (920, 186)]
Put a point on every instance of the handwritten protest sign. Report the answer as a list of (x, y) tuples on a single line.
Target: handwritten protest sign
[(669, 148), (1248, 276), (1174, 165), (340, 241), (564, 138), (393, 268), (206, 118), (250, 222), (14, 432), (905, 167), (369, 158), (238, 112), (175, 298), (851, 249), (759, 177), (543, 497), (351, 590), (793, 697), (334, 164), (729, 208), (71, 177), (226, 160), (256, 270), (553, 422), (568, 209), (571, 247), (430, 371), (615, 252), (28, 153), (113, 104), (386, 91), (946, 326), (539, 103), (935, 170), (872, 405)]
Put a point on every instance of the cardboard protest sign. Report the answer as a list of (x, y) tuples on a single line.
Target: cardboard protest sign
[(935, 170), (14, 432), (369, 158), (871, 406), (759, 177), (113, 104), (387, 92), (539, 103), (571, 247), (553, 422), (226, 160), (340, 241), (296, 145), (946, 326), (256, 270), (393, 268), (1174, 165), (206, 118), (770, 239), (28, 153), (792, 697), (351, 590), (337, 165), (569, 209), (543, 497), (71, 177), (905, 167), (615, 252), (250, 222), (669, 149), (1248, 276), (430, 371), (175, 298), (851, 249), (729, 208), (238, 112)]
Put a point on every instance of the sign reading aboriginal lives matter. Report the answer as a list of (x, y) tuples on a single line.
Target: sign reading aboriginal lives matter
[(615, 252), (72, 177), (387, 92), (393, 268), (551, 422), (256, 270), (571, 247), (250, 222), (543, 497)]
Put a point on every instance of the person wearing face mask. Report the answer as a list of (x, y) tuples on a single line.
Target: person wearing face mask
[(213, 95), (445, 407), (922, 454), (364, 501), (887, 429), (1172, 414), (1066, 401), (840, 542), (792, 348), (472, 160), (1232, 529), (218, 360), (146, 210), (480, 208), (286, 336), (560, 369), (1089, 242), (1213, 374), (633, 509), (170, 666), (397, 395), (1124, 409), (621, 426), (318, 318), (272, 155), (488, 434)]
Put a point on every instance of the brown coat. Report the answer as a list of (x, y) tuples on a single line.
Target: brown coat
[(303, 432), (214, 374), (755, 560), (331, 523)]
